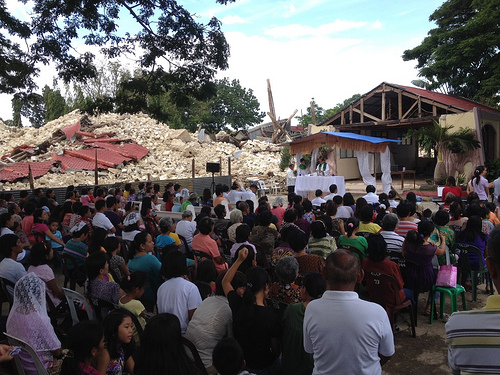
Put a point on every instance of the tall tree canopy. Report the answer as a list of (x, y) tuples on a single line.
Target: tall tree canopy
[(461, 55), (168, 41)]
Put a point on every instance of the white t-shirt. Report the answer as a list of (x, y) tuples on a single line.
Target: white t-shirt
[(351, 342), (177, 296), (318, 201), (100, 220), (211, 322), (371, 198), (12, 271), (186, 229), (344, 212), (129, 236)]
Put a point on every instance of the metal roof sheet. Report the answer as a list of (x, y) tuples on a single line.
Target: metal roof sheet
[(105, 157), (70, 130), (71, 162), (129, 150)]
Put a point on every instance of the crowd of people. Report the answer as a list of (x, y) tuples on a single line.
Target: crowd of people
[(254, 291)]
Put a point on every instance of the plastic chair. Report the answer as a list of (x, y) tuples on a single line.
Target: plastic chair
[(452, 293), (274, 188), (465, 268), (384, 290), (72, 297), (262, 187), (14, 341), (8, 290)]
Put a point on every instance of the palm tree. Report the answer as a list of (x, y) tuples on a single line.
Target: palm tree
[(438, 138)]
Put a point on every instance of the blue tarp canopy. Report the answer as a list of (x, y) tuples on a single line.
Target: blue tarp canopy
[(350, 141)]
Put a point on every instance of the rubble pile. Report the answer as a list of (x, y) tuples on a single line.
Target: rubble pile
[(170, 151)]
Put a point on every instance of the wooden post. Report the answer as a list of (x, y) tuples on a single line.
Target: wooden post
[(400, 105), (96, 172), (30, 177), (149, 176), (229, 165), (192, 168), (313, 113), (362, 108), (220, 164)]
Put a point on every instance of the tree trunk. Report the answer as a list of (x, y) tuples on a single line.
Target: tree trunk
[(439, 173)]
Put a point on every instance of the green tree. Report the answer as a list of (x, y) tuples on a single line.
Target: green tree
[(167, 35), (233, 107), (461, 55), (437, 137), (55, 104)]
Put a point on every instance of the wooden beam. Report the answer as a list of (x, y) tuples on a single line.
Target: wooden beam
[(434, 110), (362, 109), (419, 106), (400, 104), (350, 114), (367, 115), (342, 119), (383, 106), (408, 111), (313, 113)]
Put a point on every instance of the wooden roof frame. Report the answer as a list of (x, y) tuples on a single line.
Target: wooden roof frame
[(390, 105)]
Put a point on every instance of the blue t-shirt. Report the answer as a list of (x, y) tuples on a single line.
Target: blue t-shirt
[(163, 240), (55, 245)]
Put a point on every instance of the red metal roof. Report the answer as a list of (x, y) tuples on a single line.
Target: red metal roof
[(129, 150), (70, 162), (14, 171), (105, 157), (70, 130), (101, 140), (450, 100)]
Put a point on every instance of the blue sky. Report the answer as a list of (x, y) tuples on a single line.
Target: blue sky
[(326, 49)]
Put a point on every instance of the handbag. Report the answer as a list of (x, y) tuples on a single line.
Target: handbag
[(447, 276)]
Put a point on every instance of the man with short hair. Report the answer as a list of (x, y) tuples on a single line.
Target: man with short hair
[(343, 212), (318, 201), (370, 195), (186, 227), (345, 334), (111, 203), (404, 214), (100, 220), (393, 240), (333, 192), (473, 336)]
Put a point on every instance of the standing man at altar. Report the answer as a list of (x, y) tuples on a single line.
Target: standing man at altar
[(290, 178), (302, 168), (323, 169)]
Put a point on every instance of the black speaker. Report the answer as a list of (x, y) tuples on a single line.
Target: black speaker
[(213, 167)]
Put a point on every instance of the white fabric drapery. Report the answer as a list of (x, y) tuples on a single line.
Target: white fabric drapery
[(364, 168), (314, 158), (385, 166)]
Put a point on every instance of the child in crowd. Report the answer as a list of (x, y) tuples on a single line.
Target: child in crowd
[(351, 239), (366, 217), (228, 357), (76, 247), (134, 287), (54, 228), (116, 358), (85, 342), (85, 198), (117, 264)]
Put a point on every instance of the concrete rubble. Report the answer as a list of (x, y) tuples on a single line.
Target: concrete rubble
[(170, 151)]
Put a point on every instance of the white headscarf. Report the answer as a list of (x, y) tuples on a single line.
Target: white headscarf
[(28, 319)]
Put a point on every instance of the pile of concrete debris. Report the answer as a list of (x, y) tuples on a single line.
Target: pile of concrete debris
[(170, 156)]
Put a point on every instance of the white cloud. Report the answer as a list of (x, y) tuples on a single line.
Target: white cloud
[(231, 20), (376, 25), (296, 30)]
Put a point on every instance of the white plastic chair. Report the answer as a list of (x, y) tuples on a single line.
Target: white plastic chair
[(263, 188), (14, 341), (71, 297), (226, 205), (274, 188), (191, 209)]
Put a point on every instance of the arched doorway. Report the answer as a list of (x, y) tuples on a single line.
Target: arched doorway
[(489, 142)]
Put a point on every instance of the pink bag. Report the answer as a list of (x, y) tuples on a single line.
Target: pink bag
[(447, 276)]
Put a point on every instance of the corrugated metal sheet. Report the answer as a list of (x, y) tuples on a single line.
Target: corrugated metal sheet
[(21, 170), (105, 157), (129, 150), (71, 162), (101, 140)]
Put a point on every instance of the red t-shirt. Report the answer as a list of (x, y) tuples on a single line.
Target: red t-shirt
[(455, 190)]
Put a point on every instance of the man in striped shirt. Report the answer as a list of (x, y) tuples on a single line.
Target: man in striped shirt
[(473, 337), (405, 223), (393, 240)]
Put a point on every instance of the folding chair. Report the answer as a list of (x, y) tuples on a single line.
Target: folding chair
[(465, 268)]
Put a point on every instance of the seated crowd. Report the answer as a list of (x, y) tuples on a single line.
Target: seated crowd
[(235, 281)]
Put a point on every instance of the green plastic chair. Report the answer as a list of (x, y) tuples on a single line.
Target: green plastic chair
[(453, 293)]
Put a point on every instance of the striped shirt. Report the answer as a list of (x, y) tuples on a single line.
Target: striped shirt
[(394, 243), (473, 339), (405, 226)]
